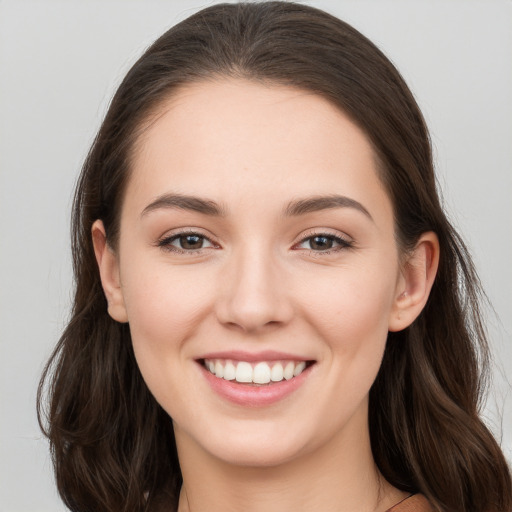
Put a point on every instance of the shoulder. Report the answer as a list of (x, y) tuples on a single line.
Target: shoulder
[(414, 503)]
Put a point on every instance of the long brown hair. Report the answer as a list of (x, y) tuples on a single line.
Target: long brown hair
[(112, 444)]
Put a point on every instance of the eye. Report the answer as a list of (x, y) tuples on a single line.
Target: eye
[(323, 242), (186, 242)]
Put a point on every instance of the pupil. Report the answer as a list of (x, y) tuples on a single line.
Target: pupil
[(321, 242), (191, 242)]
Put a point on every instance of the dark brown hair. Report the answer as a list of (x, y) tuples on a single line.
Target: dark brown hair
[(112, 444)]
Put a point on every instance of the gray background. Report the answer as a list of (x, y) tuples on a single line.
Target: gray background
[(60, 62)]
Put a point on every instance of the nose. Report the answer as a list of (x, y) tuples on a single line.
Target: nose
[(253, 296)]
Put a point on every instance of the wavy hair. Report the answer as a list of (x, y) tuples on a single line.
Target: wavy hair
[(112, 445)]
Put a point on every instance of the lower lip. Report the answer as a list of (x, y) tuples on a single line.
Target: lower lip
[(254, 396)]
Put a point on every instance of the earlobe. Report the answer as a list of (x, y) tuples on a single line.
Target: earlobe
[(417, 278), (109, 273)]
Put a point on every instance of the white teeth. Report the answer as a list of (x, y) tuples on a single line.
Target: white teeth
[(288, 371), (299, 369), (229, 371), (262, 372), (219, 369), (243, 372), (277, 373)]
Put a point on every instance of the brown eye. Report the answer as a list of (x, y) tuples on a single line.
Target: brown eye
[(321, 243), (324, 242), (191, 241), (186, 242)]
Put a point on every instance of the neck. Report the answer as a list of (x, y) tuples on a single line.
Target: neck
[(339, 476)]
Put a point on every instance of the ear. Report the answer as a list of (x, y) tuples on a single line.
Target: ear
[(415, 282), (109, 273)]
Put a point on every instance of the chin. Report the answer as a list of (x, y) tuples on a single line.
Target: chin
[(263, 455), (251, 443)]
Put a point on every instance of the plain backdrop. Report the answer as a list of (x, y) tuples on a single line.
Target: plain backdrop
[(60, 62)]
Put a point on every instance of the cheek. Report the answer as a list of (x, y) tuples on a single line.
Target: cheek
[(352, 300), (350, 312), (165, 306), (165, 301)]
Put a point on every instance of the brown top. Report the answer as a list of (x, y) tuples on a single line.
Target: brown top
[(414, 503)]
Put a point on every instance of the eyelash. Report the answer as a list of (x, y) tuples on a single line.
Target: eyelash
[(343, 243), (165, 243)]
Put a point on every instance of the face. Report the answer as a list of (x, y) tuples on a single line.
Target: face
[(257, 243)]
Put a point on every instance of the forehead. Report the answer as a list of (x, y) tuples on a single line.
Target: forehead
[(233, 140)]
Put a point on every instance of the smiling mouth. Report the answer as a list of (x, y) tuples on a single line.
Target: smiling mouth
[(255, 373)]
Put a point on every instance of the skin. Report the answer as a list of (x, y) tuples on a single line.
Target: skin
[(260, 283)]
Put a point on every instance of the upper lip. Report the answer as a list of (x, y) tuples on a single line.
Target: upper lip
[(265, 355)]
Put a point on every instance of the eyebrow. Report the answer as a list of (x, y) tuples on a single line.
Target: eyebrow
[(318, 203), (184, 202), (294, 208)]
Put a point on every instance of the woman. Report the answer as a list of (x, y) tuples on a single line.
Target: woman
[(272, 311)]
